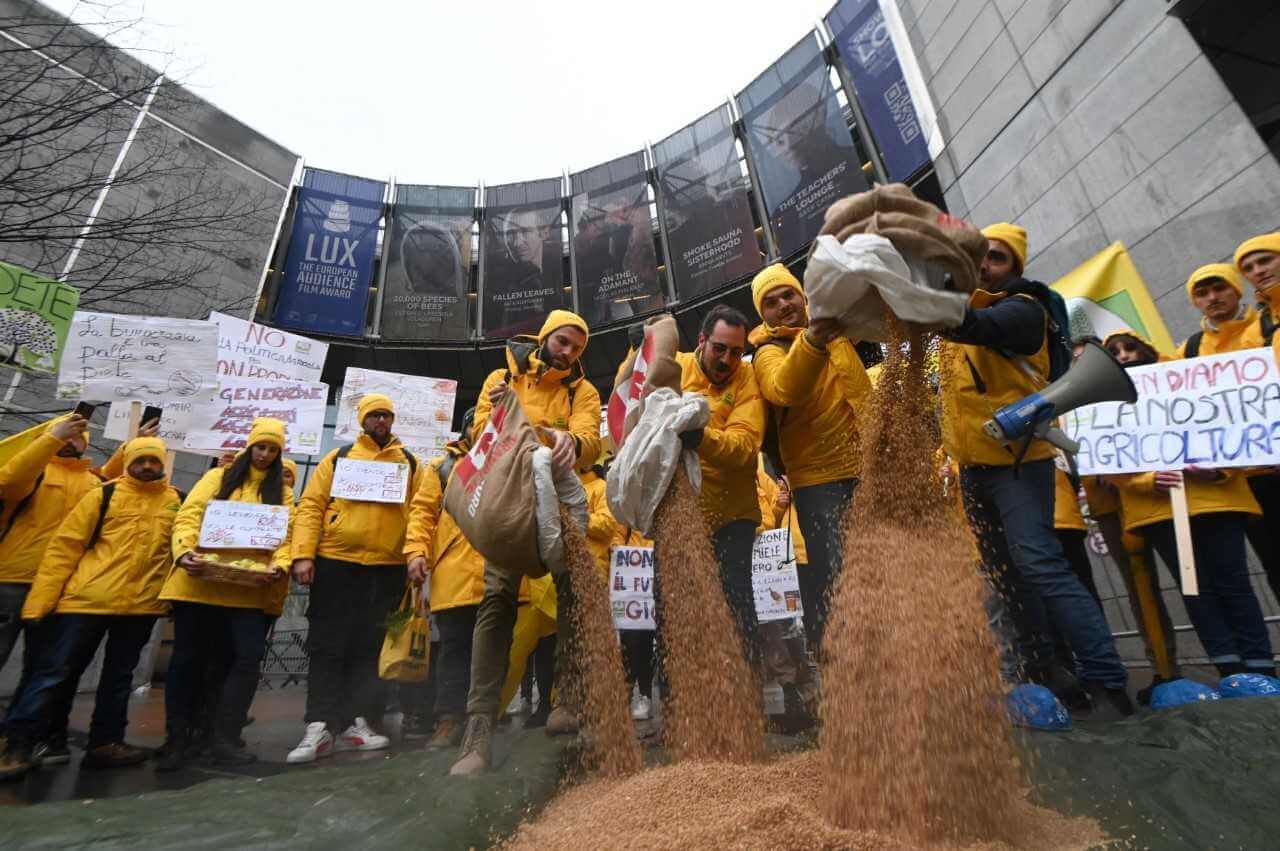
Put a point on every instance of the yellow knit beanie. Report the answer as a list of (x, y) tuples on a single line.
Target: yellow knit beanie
[(1263, 242), (1013, 236), (371, 402), (144, 447), (267, 430), (1224, 271), (770, 278)]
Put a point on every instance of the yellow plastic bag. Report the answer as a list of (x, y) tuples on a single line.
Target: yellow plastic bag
[(406, 650)]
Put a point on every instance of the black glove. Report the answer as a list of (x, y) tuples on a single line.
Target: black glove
[(692, 439)]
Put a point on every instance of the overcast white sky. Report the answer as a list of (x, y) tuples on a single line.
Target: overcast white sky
[(451, 93)]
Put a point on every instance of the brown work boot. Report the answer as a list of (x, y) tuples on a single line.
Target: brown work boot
[(448, 734), (114, 755), (477, 747), (16, 759), (562, 721)]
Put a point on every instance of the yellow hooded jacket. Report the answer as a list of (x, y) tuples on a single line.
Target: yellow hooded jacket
[(65, 482), (544, 393), (1230, 336), (976, 382), (730, 444), (186, 535), (817, 395), (123, 573), (773, 517), (1066, 505), (365, 533), (602, 528)]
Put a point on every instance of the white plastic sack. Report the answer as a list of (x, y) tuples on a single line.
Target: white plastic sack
[(854, 282), (643, 467), (554, 486)]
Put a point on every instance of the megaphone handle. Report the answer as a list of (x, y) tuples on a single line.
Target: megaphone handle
[(1182, 536), (1059, 438)]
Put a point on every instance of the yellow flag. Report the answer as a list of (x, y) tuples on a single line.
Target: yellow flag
[(1105, 293), (15, 443)]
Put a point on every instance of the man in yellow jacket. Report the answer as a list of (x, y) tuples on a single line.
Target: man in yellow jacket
[(351, 553), (998, 355), (545, 374), (816, 387), (100, 578), (727, 449), (1226, 613)]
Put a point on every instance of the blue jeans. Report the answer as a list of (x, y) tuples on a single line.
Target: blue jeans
[(821, 510), (733, 544), (1012, 518), (1225, 613), (72, 642)]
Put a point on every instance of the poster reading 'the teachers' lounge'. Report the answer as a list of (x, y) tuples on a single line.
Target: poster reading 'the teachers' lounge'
[(330, 261)]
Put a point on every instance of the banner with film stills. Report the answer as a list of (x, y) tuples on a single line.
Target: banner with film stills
[(522, 258), (428, 264)]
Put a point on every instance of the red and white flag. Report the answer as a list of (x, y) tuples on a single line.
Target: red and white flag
[(626, 396)]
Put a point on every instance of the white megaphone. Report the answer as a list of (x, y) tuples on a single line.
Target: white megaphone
[(1095, 377)]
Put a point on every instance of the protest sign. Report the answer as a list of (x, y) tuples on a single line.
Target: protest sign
[(773, 576), (369, 481), (631, 587), (224, 421), (424, 406), (249, 350), (110, 356), (35, 315), (175, 419), (1216, 411), (231, 525)]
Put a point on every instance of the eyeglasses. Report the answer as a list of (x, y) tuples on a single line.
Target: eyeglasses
[(380, 415)]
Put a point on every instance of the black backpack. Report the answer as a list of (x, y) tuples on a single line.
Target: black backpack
[(108, 490), (1058, 327), (22, 506)]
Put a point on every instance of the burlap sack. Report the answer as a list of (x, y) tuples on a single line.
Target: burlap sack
[(918, 229), (651, 366), (491, 494)]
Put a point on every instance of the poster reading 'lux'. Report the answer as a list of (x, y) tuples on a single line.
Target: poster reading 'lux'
[(522, 276), (803, 151), (869, 56), (428, 264), (615, 266), (706, 212), (330, 264)]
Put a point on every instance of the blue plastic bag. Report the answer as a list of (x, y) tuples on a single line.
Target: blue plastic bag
[(1034, 706), (1181, 691), (1249, 685)]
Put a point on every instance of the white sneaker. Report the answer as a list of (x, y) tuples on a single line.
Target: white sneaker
[(641, 708), (316, 743), (518, 705), (360, 737)]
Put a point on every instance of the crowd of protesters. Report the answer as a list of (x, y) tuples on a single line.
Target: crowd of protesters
[(93, 556)]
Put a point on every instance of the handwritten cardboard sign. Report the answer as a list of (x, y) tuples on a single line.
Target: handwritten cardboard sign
[(773, 577), (631, 587), (1215, 411), (424, 406), (369, 481), (35, 315), (110, 356), (223, 422), (249, 350), (231, 525)]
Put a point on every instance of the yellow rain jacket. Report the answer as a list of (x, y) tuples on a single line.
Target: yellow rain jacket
[(1230, 336), (1066, 505), (1141, 504), (65, 482), (186, 535), (624, 537), (366, 533), (602, 528), (544, 394), (1101, 495), (457, 570), (774, 517), (817, 396), (123, 573), (730, 443), (976, 382)]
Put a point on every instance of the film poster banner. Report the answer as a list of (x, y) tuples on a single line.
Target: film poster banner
[(35, 316), (803, 152), (329, 265), (113, 357), (424, 406), (249, 350), (223, 422), (1215, 411), (615, 265), (773, 577), (522, 258), (706, 211), (631, 587), (862, 38), (428, 257)]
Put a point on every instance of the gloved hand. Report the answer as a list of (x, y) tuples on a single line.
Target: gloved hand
[(692, 438)]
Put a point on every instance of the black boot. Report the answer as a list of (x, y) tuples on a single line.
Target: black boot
[(1227, 669), (1109, 704), (173, 753), (231, 753), (1063, 684)]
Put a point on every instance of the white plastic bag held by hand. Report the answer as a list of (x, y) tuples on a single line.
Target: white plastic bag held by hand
[(643, 467), (854, 282), (553, 486)]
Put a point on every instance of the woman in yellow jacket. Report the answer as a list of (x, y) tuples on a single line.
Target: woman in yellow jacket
[(209, 615), (1226, 613)]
